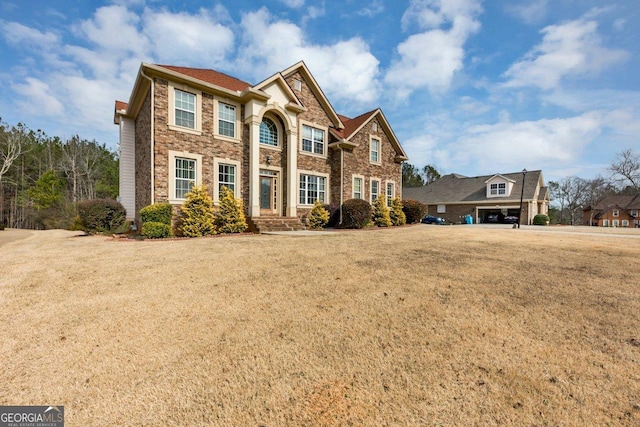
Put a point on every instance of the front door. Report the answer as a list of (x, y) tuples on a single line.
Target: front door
[(268, 192)]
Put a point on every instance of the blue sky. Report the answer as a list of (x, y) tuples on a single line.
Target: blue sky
[(472, 87)]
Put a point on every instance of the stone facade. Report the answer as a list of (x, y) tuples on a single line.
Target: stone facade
[(304, 104)]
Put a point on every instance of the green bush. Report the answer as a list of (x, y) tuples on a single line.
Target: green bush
[(159, 212), (541, 219), (155, 230), (230, 217), (198, 218), (100, 215), (413, 210), (318, 217), (396, 214), (356, 213), (334, 214), (380, 214), (1, 225)]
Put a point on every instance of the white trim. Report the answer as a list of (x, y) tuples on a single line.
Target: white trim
[(325, 142), (172, 173), (279, 129), (371, 180), (327, 186), (172, 87), (362, 186), (379, 140), (216, 120), (386, 192), (217, 161)]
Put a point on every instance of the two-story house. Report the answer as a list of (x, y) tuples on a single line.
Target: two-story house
[(489, 198), (279, 144), (614, 211)]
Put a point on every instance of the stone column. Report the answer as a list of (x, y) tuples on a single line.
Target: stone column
[(254, 167), (292, 173)]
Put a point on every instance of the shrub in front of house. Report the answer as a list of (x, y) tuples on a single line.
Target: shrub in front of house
[(334, 214), (159, 212), (155, 230), (356, 213), (541, 219), (197, 215), (230, 216), (318, 217), (396, 214), (100, 215), (380, 214), (413, 210)]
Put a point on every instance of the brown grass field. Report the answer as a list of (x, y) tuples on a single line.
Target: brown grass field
[(414, 326)]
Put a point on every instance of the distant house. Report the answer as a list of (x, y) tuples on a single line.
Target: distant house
[(279, 144), (489, 198), (614, 211)]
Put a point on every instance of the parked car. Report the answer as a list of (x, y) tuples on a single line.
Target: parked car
[(510, 219), (430, 219), (492, 218)]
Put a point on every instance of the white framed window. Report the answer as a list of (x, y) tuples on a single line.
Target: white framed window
[(297, 85), (226, 120), (374, 126), (226, 172), (391, 192), (605, 222), (268, 132), (374, 150), (375, 189), (634, 213), (358, 187), (441, 209), (312, 188), (185, 109), (313, 140), (616, 213), (616, 223), (185, 172), (625, 222), (498, 189)]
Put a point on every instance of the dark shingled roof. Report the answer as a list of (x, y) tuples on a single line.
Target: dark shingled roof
[(455, 188)]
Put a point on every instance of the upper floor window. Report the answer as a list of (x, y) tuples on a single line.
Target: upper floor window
[(185, 109), (227, 120), (268, 132), (312, 140), (374, 151), (616, 212), (634, 213), (498, 189)]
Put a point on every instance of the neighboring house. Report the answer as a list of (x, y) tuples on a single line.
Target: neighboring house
[(614, 211), (490, 198), (279, 144)]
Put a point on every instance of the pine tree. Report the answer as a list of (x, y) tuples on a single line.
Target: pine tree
[(198, 218), (380, 215), (396, 214), (319, 216), (230, 217)]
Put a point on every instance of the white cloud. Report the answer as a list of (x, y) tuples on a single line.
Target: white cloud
[(197, 40), (114, 29), (19, 35), (573, 48), (374, 8), (530, 12), (431, 59), (294, 4), (37, 97), (345, 70)]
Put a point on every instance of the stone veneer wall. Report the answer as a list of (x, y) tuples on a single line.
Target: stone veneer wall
[(143, 155)]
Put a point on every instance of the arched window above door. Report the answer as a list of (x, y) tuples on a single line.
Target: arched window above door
[(268, 132)]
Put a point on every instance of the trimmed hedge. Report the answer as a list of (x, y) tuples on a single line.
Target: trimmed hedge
[(156, 230), (160, 212), (414, 210), (334, 214), (318, 217), (541, 219), (100, 215), (356, 213)]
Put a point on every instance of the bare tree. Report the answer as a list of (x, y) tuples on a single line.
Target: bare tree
[(597, 189), (12, 143), (571, 193), (626, 169)]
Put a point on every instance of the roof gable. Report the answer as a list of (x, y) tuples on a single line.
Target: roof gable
[(499, 177), (301, 68), (276, 86)]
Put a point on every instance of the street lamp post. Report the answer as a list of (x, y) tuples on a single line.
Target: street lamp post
[(524, 175)]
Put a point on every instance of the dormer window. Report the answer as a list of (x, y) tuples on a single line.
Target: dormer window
[(499, 189)]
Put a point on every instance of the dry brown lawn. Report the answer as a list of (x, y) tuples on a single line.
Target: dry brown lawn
[(417, 326)]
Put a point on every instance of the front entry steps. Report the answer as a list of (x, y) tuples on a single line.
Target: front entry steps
[(262, 224)]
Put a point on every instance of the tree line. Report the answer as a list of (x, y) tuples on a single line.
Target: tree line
[(43, 177), (570, 195)]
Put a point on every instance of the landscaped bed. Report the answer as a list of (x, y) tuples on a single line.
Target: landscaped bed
[(414, 325)]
